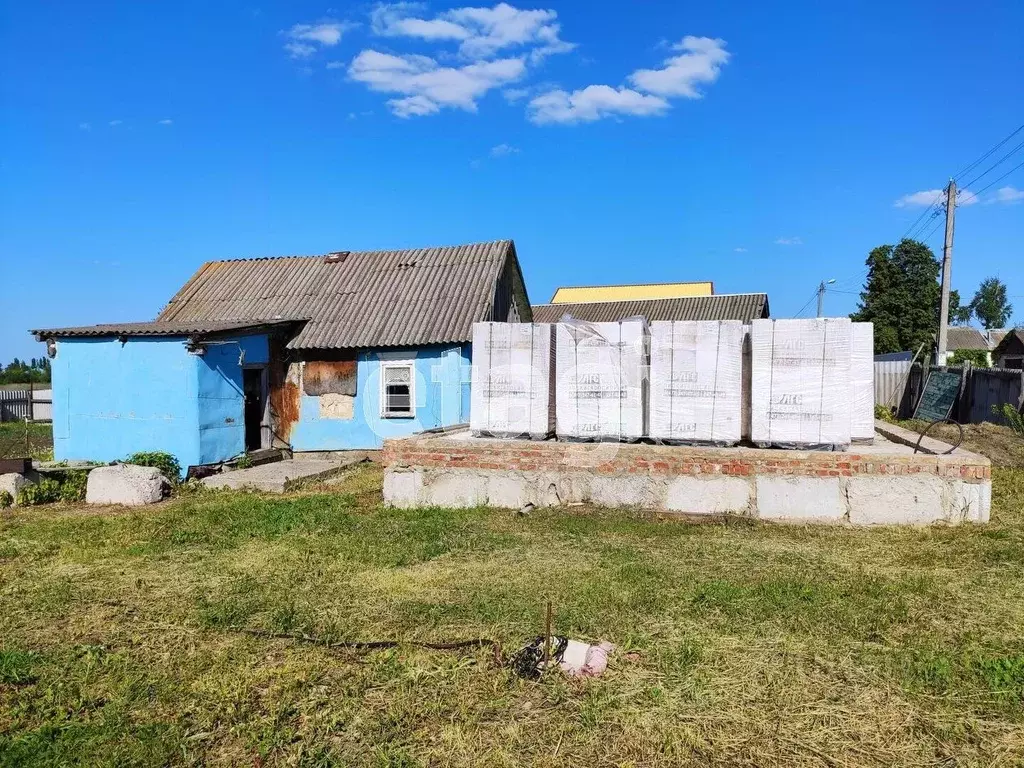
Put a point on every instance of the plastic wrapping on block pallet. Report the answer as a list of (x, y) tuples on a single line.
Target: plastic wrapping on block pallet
[(862, 382), (697, 382), (512, 392), (800, 383), (601, 374)]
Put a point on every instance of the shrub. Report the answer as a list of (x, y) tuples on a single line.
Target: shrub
[(976, 357), (167, 464), (243, 462), (884, 413), (6, 500), (1014, 418), (72, 486), (46, 491)]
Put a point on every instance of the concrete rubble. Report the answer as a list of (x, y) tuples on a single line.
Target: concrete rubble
[(126, 485)]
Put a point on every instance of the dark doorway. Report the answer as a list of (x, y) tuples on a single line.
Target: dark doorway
[(255, 406)]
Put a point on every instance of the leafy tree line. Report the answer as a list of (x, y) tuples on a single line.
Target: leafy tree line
[(902, 298), (34, 371)]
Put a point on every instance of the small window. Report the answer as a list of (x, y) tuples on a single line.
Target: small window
[(397, 396)]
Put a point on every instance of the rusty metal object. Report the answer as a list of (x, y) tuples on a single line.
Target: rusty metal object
[(284, 392), (322, 377)]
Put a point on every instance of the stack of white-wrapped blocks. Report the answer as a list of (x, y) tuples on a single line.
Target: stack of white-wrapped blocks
[(601, 380), (780, 383), (512, 393)]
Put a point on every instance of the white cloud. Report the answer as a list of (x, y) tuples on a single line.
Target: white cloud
[(789, 241), (700, 62), (964, 197), (396, 20), (503, 150), (592, 103), (85, 126), (305, 39), (740, 250), (932, 196), (428, 87), (164, 122), (922, 198), (115, 123), (512, 95), (1008, 195), (481, 32)]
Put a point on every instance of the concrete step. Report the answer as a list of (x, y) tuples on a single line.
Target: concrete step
[(281, 476)]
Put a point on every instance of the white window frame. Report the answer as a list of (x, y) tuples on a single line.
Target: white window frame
[(411, 366)]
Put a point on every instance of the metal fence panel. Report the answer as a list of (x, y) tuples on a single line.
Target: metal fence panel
[(890, 381), (21, 404)]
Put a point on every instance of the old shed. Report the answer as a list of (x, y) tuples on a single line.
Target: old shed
[(313, 353)]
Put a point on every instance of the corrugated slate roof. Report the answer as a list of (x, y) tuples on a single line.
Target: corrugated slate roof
[(355, 299), (965, 338), (739, 306), (152, 328)]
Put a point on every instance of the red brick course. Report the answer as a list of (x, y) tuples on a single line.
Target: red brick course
[(668, 461)]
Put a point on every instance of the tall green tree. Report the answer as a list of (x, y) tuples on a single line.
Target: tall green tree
[(959, 314), (901, 296), (990, 304)]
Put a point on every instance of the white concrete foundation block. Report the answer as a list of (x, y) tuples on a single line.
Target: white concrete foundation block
[(620, 491), (455, 489), (125, 484), (708, 495), (12, 482), (800, 499), (969, 502), (897, 500), (403, 488), (507, 491)]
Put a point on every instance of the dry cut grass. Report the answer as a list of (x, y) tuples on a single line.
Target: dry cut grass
[(738, 644)]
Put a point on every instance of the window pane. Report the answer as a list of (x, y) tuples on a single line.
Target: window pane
[(397, 374), (397, 399)]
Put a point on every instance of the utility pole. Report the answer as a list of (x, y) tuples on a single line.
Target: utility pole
[(821, 296), (947, 265)]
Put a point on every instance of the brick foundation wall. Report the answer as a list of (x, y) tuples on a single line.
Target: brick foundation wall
[(671, 461)]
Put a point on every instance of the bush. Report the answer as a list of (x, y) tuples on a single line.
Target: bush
[(6, 500), (167, 464), (884, 413), (1014, 418), (976, 357), (72, 486), (46, 491)]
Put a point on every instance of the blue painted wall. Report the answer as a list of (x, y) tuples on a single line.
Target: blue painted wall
[(111, 399), (441, 392)]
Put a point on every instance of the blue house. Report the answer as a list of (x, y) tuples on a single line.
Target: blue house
[(310, 353)]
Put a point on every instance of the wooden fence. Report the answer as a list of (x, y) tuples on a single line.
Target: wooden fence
[(899, 384), (31, 404)]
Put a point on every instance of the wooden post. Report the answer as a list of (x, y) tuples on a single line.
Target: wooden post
[(947, 265), (547, 636)]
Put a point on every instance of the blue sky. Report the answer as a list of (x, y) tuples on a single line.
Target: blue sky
[(762, 146)]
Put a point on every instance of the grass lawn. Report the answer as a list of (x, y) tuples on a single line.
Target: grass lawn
[(18, 439), (738, 643)]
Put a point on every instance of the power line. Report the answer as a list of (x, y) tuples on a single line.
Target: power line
[(993, 183), (995, 165), (805, 306), (977, 162)]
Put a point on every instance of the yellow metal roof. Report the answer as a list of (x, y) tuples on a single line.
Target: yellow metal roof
[(640, 291)]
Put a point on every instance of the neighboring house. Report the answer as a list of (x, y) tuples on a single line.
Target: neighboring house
[(739, 306), (1009, 353), (639, 291), (965, 338), (315, 353)]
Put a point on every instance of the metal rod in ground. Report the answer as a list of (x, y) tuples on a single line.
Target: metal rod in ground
[(547, 636)]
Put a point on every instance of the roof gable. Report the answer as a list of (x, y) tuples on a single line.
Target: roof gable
[(965, 338), (354, 299), (740, 306)]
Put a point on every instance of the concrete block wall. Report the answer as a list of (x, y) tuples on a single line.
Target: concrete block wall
[(790, 486)]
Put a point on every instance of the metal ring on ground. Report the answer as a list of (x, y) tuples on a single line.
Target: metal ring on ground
[(927, 429)]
